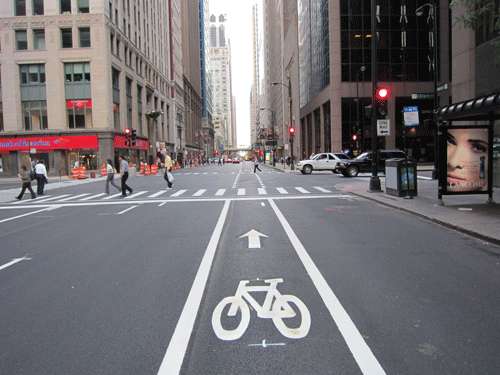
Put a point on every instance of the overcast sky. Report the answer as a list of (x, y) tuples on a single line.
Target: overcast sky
[(239, 31)]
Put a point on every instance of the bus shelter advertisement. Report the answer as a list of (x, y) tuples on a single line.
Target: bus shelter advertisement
[(467, 154)]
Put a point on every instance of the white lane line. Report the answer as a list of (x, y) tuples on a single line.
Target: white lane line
[(322, 189), (262, 191), (241, 192), (220, 192), (161, 204), (236, 179), (199, 193), (302, 190), (364, 357), (74, 197), (135, 195), (157, 194), (172, 362), (92, 197), (113, 196), (281, 190), (260, 181), (180, 192), (14, 261), (23, 215), (128, 209)]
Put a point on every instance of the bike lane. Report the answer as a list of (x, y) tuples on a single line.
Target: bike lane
[(245, 325)]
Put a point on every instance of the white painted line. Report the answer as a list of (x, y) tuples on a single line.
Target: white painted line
[(52, 199), (262, 204), (302, 190), (220, 192), (197, 173), (262, 191), (241, 192), (157, 194), (14, 261), (161, 204), (92, 197), (128, 209), (281, 190), (265, 344), (322, 189), (113, 196), (23, 215), (180, 192), (135, 195), (172, 361), (36, 200), (364, 357), (75, 197), (199, 193)]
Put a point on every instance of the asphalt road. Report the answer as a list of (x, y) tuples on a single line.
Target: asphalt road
[(233, 272)]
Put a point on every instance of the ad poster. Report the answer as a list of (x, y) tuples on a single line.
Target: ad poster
[(467, 160)]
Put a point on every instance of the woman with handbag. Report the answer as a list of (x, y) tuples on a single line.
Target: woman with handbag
[(168, 167), (26, 179)]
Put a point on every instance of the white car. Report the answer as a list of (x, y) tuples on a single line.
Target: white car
[(326, 161)]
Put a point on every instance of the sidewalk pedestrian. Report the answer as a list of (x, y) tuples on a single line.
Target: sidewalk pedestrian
[(110, 179), (168, 168), (219, 162), (256, 165), (41, 177), (124, 176), (25, 178)]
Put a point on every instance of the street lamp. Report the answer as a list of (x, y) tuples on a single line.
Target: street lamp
[(433, 11), (180, 127), (361, 70), (273, 125), (289, 87)]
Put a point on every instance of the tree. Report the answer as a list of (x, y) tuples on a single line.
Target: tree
[(476, 12)]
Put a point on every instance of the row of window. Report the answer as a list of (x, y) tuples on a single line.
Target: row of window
[(37, 7), (39, 38)]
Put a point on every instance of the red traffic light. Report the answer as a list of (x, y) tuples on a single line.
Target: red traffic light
[(127, 131), (382, 93), (354, 137), (291, 131)]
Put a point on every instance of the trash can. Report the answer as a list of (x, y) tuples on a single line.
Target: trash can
[(92, 174), (401, 177)]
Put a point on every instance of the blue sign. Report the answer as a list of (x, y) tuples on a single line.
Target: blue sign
[(411, 116)]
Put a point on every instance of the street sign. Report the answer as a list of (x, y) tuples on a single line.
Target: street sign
[(411, 116), (423, 96), (383, 128), (443, 87)]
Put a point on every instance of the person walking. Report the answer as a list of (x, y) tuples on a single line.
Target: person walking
[(124, 176), (256, 165), (41, 177), (25, 178), (168, 167), (110, 179)]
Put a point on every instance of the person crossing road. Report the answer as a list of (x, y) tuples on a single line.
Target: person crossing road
[(256, 165), (124, 176)]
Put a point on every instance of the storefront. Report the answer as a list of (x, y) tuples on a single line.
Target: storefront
[(135, 154)]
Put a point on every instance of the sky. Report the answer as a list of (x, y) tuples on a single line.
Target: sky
[(239, 31)]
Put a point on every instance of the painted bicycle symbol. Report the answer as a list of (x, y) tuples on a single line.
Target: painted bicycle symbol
[(277, 310)]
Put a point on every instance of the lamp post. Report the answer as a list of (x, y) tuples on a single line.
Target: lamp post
[(361, 70), (433, 12), (153, 115), (273, 125), (180, 127), (289, 87)]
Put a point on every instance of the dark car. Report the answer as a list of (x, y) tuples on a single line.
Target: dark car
[(363, 163)]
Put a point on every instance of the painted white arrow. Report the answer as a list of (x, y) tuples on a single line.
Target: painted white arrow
[(253, 239)]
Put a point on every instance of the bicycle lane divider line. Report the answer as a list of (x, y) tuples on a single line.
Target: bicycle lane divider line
[(28, 214), (172, 361), (128, 209), (363, 355), (14, 261)]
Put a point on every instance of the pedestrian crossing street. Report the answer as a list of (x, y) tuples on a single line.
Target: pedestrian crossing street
[(182, 193)]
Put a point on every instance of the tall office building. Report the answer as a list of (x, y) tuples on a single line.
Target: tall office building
[(77, 74), (255, 114)]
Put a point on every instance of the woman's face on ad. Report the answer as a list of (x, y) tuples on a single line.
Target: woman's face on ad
[(467, 159)]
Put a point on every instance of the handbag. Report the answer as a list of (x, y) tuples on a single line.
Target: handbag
[(32, 175)]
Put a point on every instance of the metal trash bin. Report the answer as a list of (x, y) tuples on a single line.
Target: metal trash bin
[(401, 177)]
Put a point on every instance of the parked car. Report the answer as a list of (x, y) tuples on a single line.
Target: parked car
[(363, 163), (325, 161)]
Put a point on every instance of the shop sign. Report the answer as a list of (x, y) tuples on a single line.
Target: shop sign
[(49, 143), (80, 103)]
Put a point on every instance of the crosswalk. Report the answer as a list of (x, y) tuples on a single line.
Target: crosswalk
[(162, 194)]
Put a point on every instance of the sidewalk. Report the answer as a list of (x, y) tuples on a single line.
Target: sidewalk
[(470, 214)]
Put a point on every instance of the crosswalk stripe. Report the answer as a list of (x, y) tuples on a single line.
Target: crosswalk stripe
[(46, 199), (36, 200), (241, 192), (113, 196), (199, 193), (220, 192), (180, 192), (157, 194), (92, 197), (322, 189), (281, 190), (302, 190), (136, 194), (73, 197), (262, 191)]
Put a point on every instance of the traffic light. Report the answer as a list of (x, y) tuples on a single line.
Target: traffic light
[(133, 135), (127, 137), (354, 137), (381, 96), (291, 132)]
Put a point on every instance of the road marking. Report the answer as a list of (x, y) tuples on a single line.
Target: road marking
[(260, 181), (74, 197), (199, 193), (54, 198), (262, 191), (14, 261), (262, 204), (157, 194), (322, 189), (92, 197), (364, 357), (113, 196), (241, 192), (281, 190), (23, 215), (220, 192), (253, 238), (39, 198), (180, 192), (236, 179), (128, 209), (265, 345), (172, 361), (135, 195), (302, 190)]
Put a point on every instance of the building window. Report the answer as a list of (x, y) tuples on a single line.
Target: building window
[(39, 39), (65, 6), (112, 43), (35, 115), (37, 7), (32, 74), (116, 115), (20, 6), (1, 118), (21, 40), (116, 79), (66, 38), (83, 6), (84, 37), (79, 114), (77, 72)]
